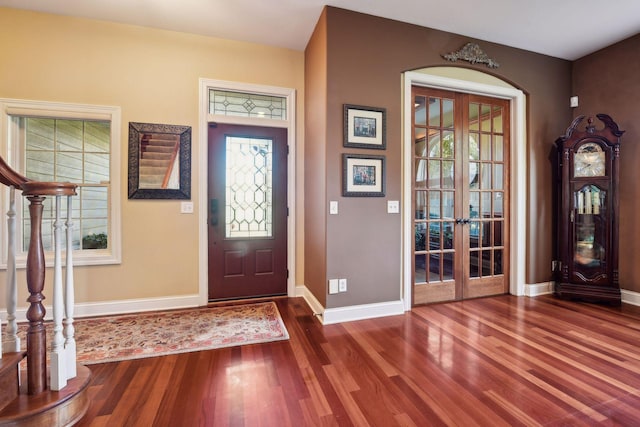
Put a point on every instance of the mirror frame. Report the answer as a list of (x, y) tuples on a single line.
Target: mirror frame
[(136, 130)]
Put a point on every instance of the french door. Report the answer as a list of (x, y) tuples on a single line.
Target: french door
[(247, 231), (460, 195)]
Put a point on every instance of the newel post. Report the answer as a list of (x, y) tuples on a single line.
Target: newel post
[(36, 334)]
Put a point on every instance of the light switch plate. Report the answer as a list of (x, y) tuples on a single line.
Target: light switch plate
[(333, 207), (186, 207), (333, 286)]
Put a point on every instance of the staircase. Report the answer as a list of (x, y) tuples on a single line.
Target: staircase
[(158, 153), (33, 393)]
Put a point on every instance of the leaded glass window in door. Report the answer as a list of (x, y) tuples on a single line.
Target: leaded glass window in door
[(249, 187)]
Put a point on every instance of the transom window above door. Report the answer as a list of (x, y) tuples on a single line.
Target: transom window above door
[(247, 104)]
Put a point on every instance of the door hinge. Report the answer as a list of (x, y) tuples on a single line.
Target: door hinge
[(287, 273), (287, 210), (287, 149)]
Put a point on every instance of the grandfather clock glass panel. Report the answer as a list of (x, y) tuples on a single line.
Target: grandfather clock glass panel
[(587, 211), (589, 254)]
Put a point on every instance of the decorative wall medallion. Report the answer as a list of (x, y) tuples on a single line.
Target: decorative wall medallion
[(471, 53)]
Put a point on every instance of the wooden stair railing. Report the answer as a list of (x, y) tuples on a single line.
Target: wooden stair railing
[(37, 401)]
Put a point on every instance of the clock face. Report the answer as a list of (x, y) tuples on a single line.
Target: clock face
[(589, 160)]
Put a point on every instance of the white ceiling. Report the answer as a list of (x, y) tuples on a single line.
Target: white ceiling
[(567, 29)]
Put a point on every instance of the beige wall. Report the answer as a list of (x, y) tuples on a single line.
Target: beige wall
[(153, 76)]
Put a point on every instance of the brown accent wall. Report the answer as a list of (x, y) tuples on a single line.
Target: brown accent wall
[(315, 212), (608, 81), (365, 59)]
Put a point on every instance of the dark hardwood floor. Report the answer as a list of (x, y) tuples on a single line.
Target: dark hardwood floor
[(500, 361)]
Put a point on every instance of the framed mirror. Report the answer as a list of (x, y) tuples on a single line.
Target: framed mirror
[(159, 161)]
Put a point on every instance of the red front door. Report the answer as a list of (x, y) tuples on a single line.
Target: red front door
[(247, 189)]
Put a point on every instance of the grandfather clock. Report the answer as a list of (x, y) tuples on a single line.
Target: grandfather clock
[(587, 238)]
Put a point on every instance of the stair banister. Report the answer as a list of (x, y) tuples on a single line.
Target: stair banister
[(69, 297), (36, 335), (57, 359), (41, 403), (13, 180), (12, 341)]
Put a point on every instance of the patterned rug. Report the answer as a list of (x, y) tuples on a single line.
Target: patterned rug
[(135, 336)]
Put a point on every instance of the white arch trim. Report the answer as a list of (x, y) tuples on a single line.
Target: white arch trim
[(478, 83)]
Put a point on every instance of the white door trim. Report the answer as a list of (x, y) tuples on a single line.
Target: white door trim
[(204, 119), (518, 176)]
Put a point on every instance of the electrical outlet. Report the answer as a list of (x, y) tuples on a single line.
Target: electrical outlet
[(333, 286), (393, 206), (342, 285)]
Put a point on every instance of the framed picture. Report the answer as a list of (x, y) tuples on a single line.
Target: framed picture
[(159, 161), (362, 175), (365, 127)]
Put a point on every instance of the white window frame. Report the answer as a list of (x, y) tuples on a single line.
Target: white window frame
[(11, 154)]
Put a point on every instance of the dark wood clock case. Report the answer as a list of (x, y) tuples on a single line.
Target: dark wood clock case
[(587, 178)]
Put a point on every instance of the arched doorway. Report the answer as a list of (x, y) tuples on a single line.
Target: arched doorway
[(474, 83)]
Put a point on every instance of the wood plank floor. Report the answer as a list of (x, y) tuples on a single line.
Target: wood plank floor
[(502, 361)]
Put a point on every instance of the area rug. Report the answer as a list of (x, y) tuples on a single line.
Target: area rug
[(135, 336)]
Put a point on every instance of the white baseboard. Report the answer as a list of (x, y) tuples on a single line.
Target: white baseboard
[(330, 316), (361, 312), (311, 300), (118, 307), (630, 297), (326, 316), (535, 289)]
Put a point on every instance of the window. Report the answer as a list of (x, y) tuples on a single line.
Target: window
[(68, 143), (247, 104)]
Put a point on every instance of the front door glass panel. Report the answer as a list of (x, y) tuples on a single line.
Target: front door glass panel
[(248, 191)]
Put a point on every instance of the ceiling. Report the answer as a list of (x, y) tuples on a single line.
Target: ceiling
[(567, 29)]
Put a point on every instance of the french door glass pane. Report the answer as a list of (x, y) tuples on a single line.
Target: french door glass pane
[(447, 268), (420, 142), (434, 205), (497, 262), (434, 145), (420, 268), (421, 205), (447, 113), (498, 148), (434, 174), (485, 118), (434, 112), (420, 110)]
